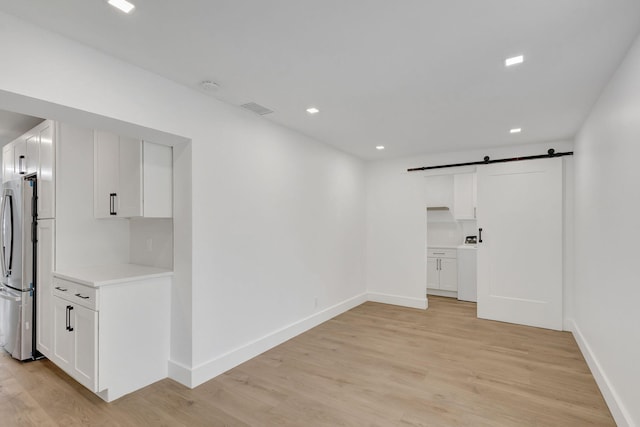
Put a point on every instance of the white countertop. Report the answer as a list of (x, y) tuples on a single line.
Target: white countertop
[(452, 247), (467, 246), (102, 275)]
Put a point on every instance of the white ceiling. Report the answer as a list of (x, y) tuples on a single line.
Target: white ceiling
[(416, 76), (12, 125)]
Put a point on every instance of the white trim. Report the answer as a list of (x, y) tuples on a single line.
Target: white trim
[(214, 367), (398, 300), (619, 412), (180, 373)]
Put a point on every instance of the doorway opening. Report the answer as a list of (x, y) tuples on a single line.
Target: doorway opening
[(451, 239)]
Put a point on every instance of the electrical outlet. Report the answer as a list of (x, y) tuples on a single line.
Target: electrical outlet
[(315, 302), (149, 245)]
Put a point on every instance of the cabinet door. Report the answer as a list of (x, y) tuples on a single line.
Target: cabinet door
[(439, 190), (32, 153), (158, 180), (46, 170), (106, 181), (20, 157), (7, 162), (44, 309), (85, 361), (63, 339), (448, 274), (464, 205), (130, 179), (433, 274)]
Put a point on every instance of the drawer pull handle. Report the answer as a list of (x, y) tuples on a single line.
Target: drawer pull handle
[(438, 253), (61, 289), (82, 296)]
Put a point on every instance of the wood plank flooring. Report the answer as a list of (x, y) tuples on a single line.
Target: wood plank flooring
[(376, 365)]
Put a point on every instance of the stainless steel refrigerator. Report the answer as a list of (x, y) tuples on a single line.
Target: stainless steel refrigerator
[(18, 219)]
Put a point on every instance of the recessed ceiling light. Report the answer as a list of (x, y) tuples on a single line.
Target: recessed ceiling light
[(513, 61), (312, 110), (123, 5), (379, 147), (515, 130), (209, 85)]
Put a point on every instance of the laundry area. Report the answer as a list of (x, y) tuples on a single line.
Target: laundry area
[(452, 236), (496, 231)]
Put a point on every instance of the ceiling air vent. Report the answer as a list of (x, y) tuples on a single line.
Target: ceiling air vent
[(256, 108)]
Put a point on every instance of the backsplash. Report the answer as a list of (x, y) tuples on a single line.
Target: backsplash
[(449, 233)]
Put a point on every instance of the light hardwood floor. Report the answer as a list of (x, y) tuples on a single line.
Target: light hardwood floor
[(376, 365)]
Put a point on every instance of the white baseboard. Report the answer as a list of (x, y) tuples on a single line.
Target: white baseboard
[(180, 373), (398, 300), (619, 412), (212, 368)]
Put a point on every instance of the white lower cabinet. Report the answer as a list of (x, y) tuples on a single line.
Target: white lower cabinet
[(442, 269), (44, 286), (101, 339), (75, 341), (448, 274)]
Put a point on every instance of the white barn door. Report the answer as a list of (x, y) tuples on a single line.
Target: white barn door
[(520, 257)]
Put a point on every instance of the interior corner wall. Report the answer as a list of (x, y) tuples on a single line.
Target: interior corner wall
[(276, 219), (396, 239), (607, 202)]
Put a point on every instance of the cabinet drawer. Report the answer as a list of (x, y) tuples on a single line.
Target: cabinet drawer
[(441, 253), (85, 296), (63, 288)]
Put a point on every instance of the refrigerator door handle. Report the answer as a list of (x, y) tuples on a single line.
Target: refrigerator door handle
[(7, 200), (2, 238)]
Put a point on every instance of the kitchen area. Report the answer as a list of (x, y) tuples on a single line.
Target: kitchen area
[(87, 253), (452, 235)]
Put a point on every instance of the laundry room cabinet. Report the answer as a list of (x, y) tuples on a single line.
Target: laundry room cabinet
[(442, 269), (464, 196), (132, 178)]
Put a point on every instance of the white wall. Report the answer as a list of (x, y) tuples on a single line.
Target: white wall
[(397, 227), (82, 240), (607, 202), (277, 218)]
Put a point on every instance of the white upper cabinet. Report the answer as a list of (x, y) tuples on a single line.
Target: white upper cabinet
[(158, 180), (464, 196), (8, 167), (439, 191), (20, 154), (132, 178), (34, 152), (46, 132)]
